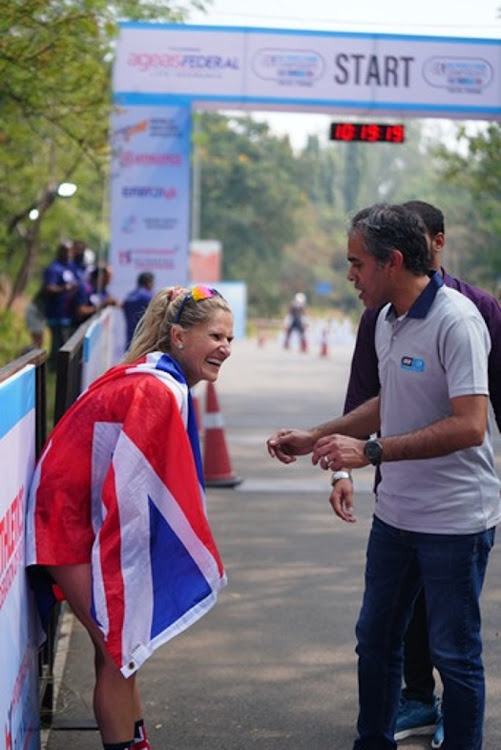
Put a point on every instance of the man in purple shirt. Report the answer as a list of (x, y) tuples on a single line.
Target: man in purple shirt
[(419, 713)]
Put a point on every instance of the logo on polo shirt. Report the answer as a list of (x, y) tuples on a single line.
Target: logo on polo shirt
[(415, 364)]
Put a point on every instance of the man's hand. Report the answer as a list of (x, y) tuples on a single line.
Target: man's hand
[(286, 445), (341, 500), (338, 452)]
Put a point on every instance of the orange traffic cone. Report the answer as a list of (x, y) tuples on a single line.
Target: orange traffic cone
[(216, 461)]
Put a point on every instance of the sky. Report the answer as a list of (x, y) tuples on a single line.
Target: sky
[(451, 18), (435, 17)]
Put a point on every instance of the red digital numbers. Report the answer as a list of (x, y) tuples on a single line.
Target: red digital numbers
[(395, 133), (371, 132), (367, 132), (343, 131)]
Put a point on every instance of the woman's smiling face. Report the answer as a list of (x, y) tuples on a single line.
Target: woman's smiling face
[(202, 349)]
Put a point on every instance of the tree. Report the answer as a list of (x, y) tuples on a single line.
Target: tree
[(250, 198), (474, 173), (55, 98)]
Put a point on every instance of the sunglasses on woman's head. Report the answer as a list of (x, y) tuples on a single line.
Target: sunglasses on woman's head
[(196, 294)]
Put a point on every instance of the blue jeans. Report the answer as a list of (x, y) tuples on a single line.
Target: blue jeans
[(451, 569)]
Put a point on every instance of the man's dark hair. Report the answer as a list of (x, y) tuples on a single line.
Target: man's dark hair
[(386, 227), (145, 278), (431, 215)]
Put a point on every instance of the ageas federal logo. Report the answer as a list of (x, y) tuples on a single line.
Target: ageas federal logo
[(413, 364)]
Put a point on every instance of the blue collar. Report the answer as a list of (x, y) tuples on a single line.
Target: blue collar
[(422, 305)]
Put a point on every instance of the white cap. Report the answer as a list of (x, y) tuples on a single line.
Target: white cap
[(89, 257)]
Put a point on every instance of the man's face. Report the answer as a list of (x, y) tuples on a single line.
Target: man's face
[(369, 278)]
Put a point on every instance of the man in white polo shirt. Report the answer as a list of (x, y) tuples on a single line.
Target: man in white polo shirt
[(439, 499)]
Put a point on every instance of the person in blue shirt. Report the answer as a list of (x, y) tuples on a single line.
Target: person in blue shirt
[(92, 294), (136, 302), (59, 287), (83, 259)]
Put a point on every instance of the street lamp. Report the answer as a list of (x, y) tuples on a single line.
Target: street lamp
[(63, 190), (66, 189)]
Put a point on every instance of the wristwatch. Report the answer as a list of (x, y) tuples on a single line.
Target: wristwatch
[(373, 450), (337, 475)]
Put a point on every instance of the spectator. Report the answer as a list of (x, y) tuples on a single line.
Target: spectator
[(83, 259), (136, 302), (296, 320), (92, 294), (59, 286)]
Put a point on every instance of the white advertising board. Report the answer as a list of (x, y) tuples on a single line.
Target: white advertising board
[(19, 712)]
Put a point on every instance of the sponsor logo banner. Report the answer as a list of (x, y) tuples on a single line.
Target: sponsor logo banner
[(149, 195), (341, 71)]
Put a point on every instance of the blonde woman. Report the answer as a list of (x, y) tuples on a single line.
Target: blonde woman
[(116, 517)]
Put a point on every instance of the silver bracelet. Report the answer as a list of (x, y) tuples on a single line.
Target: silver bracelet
[(337, 475)]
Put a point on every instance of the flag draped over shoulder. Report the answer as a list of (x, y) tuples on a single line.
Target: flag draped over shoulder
[(120, 484)]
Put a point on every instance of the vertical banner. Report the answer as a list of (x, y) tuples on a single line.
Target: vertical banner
[(19, 710), (150, 194)]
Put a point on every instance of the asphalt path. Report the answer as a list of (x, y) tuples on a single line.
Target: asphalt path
[(272, 666)]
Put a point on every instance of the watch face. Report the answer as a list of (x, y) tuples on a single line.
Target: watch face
[(373, 451)]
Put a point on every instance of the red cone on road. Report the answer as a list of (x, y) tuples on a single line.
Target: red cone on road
[(216, 461)]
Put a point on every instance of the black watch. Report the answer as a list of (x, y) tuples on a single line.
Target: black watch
[(373, 450)]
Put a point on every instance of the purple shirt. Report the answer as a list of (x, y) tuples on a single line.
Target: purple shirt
[(58, 304), (364, 377)]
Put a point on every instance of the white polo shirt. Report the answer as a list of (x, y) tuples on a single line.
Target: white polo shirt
[(437, 351)]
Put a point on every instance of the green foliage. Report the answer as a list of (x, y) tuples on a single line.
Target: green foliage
[(14, 336), (55, 107), (473, 175), (250, 197), (281, 216)]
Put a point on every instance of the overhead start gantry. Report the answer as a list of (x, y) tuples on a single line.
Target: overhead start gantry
[(162, 73)]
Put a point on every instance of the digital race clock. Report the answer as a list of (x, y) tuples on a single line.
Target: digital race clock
[(368, 132)]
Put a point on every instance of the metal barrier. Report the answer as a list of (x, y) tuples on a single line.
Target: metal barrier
[(69, 370), (68, 388)]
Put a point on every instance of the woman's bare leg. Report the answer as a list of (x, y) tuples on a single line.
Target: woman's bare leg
[(116, 698)]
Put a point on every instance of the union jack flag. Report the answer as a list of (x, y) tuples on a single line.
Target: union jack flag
[(128, 450)]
